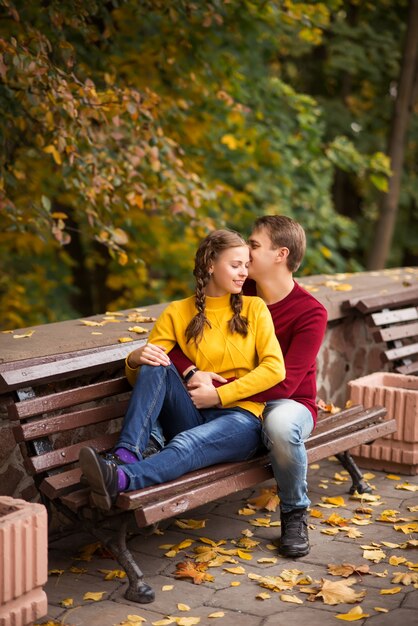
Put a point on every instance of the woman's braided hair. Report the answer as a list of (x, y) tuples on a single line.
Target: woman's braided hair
[(208, 251)]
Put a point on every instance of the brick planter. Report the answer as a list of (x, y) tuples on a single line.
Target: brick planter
[(23, 562), (399, 394)]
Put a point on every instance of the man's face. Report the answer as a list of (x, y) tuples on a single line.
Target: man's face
[(262, 255)]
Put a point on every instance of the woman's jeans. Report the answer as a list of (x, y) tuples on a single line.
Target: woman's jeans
[(287, 424), (195, 438)]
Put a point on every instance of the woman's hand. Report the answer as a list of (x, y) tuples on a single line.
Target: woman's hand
[(205, 378), (148, 355), (203, 395)]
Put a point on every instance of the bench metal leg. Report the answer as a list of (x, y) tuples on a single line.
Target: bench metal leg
[(348, 463), (138, 590)]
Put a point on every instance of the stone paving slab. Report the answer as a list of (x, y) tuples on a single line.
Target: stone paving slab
[(239, 604)]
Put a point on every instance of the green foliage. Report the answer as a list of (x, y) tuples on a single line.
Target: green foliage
[(131, 128)]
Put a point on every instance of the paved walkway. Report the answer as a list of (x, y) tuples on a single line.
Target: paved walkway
[(231, 599)]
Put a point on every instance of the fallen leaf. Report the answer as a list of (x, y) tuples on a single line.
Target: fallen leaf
[(67, 602), (28, 334), (246, 511), (134, 619), (335, 501), (379, 609), (390, 592), (190, 523), (412, 527), (125, 339), (267, 560), (374, 555), (339, 592), (217, 614), (247, 543), (389, 544), (94, 595), (55, 572), (396, 560), (294, 599), (235, 583), (347, 569), (353, 614), (392, 477), (167, 587), (195, 571), (91, 323), (235, 570), (138, 329), (111, 574), (187, 621), (407, 487), (173, 550), (77, 570), (315, 513), (268, 499), (343, 287), (405, 578), (183, 607), (263, 596)]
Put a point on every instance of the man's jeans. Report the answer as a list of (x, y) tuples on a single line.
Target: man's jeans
[(195, 438), (287, 424)]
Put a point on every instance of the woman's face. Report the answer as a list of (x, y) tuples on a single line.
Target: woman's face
[(228, 272)]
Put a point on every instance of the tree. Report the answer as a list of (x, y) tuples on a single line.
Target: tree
[(406, 98)]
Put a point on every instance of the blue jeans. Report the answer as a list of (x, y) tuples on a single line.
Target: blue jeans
[(195, 438), (287, 424)]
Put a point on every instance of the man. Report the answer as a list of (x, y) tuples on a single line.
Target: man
[(277, 244)]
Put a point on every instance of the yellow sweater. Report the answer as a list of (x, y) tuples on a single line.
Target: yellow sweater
[(256, 361)]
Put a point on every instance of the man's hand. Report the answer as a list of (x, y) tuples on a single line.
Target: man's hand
[(148, 355), (204, 396), (206, 378)]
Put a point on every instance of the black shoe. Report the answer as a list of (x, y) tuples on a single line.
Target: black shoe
[(102, 477), (152, 448), (294, 541)]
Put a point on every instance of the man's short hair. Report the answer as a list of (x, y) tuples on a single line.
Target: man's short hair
[(285, 232)]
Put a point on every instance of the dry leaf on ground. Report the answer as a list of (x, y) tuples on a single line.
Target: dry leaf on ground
[(339, 592), (353, 614)]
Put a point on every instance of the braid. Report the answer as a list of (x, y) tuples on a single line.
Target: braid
[(237, 323), (208, 251)]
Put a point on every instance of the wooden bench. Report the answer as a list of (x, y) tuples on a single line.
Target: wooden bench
[(394, 318), (59, 405)]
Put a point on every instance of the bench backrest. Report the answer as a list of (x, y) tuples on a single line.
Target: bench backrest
[(394, 317)]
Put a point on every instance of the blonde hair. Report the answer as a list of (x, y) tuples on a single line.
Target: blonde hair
[(208, 251)]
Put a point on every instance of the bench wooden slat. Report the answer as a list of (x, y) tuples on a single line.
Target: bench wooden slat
[(65, 456), (393, 317), (65, 399), (353, 425), (369, 304), (327, 420), (65, 368), (400, 353), (410, 368), (51, 425), (396, 332)]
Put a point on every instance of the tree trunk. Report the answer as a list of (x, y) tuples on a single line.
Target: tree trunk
[(388, 209)]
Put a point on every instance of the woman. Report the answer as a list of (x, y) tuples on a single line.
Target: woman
[(220, 331)]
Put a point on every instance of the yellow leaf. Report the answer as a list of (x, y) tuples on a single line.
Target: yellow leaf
[(187, 621), (287, 598), (374, 555), (28, 334), (217, 614), (136, 619), (67, 602), (339, 592), (94, 595), (267, 560), (263, 596), (167, 587), (396, 560), (125, 339), (336, 501), (77, 570), (390, 592), (57, 215), (379, 609), (164, 622), (91, 323), (389, 544), (111, 574), (392, 477), (244, 555), (235, 570), (55, 572), (190, 523), (261, 521), (235, 583), (183, 607), (343, 287), (246, 511), (407, 528), (123, 258), (407, 486), (316, 513), (138, 329), (55, 154), (230, 141), (247, 543), (353, 614)]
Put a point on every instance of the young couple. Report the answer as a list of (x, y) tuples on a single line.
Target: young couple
[(213, 376)]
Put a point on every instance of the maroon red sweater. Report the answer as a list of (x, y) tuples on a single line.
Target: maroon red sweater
[(300, 322)]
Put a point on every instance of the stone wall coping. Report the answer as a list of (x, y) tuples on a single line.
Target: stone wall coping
[(70, 336)]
